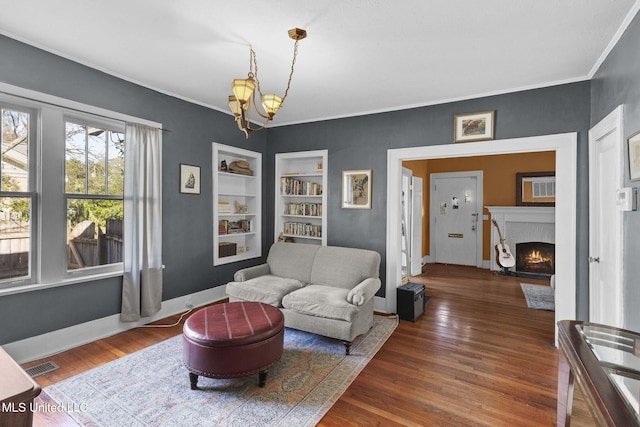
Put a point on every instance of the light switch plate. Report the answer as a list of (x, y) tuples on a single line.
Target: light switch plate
[(626, 199)]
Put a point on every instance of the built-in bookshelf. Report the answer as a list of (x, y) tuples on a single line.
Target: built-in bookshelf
[(301, 197), (237, 204)]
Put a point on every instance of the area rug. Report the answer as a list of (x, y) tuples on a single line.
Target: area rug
[(151, 387), (540, 297)]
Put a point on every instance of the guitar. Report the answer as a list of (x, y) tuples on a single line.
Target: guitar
[(503, 253)]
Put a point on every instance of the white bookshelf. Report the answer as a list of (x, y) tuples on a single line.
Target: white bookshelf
[(300, 212), (237, 203)]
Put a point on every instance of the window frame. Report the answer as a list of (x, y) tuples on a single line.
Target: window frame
[(106, 124), (48, 258), (31, 192)]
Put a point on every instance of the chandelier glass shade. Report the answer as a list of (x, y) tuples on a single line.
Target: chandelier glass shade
[(243, 101)]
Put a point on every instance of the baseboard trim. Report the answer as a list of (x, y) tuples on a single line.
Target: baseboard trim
[(380, 304), (60, 340)]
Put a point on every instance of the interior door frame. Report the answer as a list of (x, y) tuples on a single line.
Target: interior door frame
[(565, 146), (612, 123), (417, 188), (433, 207)]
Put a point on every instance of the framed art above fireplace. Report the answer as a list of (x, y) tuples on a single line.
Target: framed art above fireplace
[(536, 189)]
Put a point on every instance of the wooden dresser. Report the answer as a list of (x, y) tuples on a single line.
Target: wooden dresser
[(17, 391)]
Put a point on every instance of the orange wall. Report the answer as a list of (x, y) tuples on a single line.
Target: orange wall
[(499, 175)]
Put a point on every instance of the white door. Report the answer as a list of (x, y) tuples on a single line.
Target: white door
[(454, 217), (416, 226), (605, 221)]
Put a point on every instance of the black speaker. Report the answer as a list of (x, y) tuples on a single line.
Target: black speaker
[(411, 301)]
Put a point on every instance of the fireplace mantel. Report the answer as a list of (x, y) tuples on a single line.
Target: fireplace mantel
[(522, 214), (521, 224)]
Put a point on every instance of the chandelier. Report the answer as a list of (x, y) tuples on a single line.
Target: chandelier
[(243, 100)]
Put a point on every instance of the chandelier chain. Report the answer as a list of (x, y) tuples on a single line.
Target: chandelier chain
[(253, 68), (293, 63)]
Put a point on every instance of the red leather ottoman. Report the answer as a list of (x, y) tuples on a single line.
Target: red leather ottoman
[(231, 340)]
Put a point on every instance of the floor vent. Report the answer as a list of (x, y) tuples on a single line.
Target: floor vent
[(41, 369)]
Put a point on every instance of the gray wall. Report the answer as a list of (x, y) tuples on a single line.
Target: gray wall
[(187, 225), (353, 143), (362, 143), (618, 82)]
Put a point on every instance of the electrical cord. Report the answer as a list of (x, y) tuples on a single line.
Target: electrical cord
[(169, 326)]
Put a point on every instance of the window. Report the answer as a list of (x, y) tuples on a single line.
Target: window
[(61, 194), (94, 189), (16, 194), (62, 191)]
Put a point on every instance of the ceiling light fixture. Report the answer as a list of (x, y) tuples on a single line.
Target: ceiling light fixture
[(243, 99)]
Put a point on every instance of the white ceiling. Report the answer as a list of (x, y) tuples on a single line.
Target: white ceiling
[(360, 56)]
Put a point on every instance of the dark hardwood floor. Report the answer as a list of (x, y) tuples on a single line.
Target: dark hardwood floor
[(477, 357)]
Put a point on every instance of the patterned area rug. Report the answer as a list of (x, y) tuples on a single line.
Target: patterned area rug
[(540, 297), (151, 387)]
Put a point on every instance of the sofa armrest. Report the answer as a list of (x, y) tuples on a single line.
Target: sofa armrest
[(251, 272), (364, 291)]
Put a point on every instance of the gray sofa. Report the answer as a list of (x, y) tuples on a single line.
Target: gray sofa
[(326, 290)]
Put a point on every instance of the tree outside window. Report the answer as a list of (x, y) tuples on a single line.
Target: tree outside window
[(94, 188), (16, 200)]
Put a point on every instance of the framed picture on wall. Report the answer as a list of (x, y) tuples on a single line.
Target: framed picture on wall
[(189, 179), (473, 126), (536, 189), (356, 189), (634, 157)]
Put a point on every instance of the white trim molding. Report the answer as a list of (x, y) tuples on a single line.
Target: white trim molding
[(564, 145), (61, 340)]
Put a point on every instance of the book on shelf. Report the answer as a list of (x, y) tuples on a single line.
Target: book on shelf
[(303, 209), (224, 207), (234, 227), (296, 187), (302, 229)]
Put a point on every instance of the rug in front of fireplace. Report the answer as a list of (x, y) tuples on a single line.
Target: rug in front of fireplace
[(151, 387), (540, 297)]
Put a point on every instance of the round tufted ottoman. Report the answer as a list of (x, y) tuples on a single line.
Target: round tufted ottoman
[(234, 339)]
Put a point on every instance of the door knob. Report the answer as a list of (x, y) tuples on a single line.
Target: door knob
[(592, 259)]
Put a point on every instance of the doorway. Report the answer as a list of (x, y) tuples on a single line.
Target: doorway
[(455, 205), (412, 224), (565, 148)]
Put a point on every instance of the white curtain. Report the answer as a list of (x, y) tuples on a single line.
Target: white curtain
[(142, 281)]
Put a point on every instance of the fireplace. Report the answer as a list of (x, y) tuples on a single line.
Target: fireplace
[(535, 258), (529, 231)]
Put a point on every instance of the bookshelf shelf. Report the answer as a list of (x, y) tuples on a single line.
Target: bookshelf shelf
[(237, 204), (301, 196)]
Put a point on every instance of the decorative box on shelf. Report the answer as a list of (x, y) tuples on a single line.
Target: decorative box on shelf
[(227, 249)]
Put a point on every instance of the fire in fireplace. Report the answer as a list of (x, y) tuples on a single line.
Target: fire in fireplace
[(536, 258)]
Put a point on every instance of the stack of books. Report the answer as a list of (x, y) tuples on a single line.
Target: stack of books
[(224, 208)]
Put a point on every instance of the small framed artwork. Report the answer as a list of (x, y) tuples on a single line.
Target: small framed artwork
[(473, 126), (634, 157), (356, 189), (189, 179)]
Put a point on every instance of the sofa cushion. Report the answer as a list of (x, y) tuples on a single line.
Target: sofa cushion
[(321, 301), (344, 267), (293, 260), (268, 289)]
